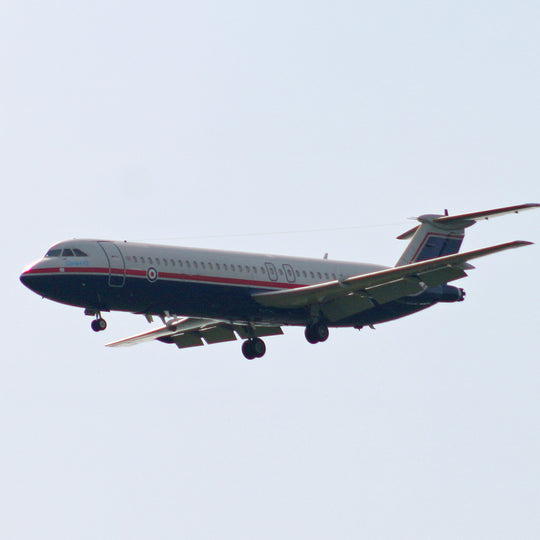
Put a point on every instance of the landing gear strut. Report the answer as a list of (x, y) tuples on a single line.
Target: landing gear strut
[(99, 324), (316, 333), (253, 348)]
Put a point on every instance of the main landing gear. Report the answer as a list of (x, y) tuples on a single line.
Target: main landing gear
[(316, 333), (99, 324), (253, 348)]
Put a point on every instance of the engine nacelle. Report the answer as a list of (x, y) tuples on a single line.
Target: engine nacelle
[(451, 294)]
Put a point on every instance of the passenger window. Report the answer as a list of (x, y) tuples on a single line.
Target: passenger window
[(334, 276), (150, 261), (135, 259), (263, 269), (172, 262), (188, 264), (312, 275), (297, 273), (67, 253), (195, 265), (210, 266), (305, 273), (157, 260), (217, 266), (203, 266), (53, 253), (280, 272), (326, 275), (233, 268), (226, 268), (254, 269), (180, 264), (165, 262)]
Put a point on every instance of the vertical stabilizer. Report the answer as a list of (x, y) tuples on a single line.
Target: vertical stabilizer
[(437, 235), (431, 239)]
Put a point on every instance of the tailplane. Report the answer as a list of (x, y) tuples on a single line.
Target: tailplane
[(437, 235)]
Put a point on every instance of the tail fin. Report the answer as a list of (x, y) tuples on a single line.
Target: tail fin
[(437, 235)]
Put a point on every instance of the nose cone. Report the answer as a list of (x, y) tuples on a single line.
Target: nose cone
[(28, 277)]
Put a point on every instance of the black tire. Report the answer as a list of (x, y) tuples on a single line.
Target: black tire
[(258, 346), (310, 335), (98, 325), (321, 331), (248, 350), (316, 333)]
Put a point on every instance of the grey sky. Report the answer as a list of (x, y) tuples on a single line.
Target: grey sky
[(173, 120)]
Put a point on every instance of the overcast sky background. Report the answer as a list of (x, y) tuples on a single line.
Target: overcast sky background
[(175, 123)]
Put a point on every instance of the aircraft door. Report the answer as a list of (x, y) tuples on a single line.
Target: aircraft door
[(289, 273), (117, 267), (272, 272)]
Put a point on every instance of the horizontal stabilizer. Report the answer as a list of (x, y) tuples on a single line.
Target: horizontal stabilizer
[(465, 220), (477, 216)]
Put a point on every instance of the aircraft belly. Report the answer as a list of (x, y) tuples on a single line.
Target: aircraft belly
[(192, 299)]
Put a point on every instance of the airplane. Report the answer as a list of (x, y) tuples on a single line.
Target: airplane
[(209, 296)]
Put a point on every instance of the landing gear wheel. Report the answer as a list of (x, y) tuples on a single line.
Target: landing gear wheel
[(316, 333), (98, 325), (253, 348), (259, 347), (247, 350)]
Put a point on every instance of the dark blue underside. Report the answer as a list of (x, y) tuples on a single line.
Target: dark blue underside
[(196, 300)]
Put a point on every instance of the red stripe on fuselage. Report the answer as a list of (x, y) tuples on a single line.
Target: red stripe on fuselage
[(162, 275)]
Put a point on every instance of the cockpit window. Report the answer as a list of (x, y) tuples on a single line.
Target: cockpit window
[(74, 252), (53, 253)]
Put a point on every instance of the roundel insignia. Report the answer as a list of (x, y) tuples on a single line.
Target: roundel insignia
[(151, 274)]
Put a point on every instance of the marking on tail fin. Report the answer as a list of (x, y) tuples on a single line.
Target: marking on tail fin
[(437, 245)]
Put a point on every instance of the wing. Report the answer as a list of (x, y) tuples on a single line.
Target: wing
[(193, 332), (341, 298)]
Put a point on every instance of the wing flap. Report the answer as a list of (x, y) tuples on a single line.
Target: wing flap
[(340, 308), (189, 339), (219, 334), (396, 289), (166, 332), (258, 331), (441, 275), (194, 332)]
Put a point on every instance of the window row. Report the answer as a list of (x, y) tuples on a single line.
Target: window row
[(198, 265), (157, 261)]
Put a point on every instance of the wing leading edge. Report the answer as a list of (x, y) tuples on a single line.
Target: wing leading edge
[(383, 286)]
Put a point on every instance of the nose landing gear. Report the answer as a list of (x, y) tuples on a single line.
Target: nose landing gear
[(99, 324)]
